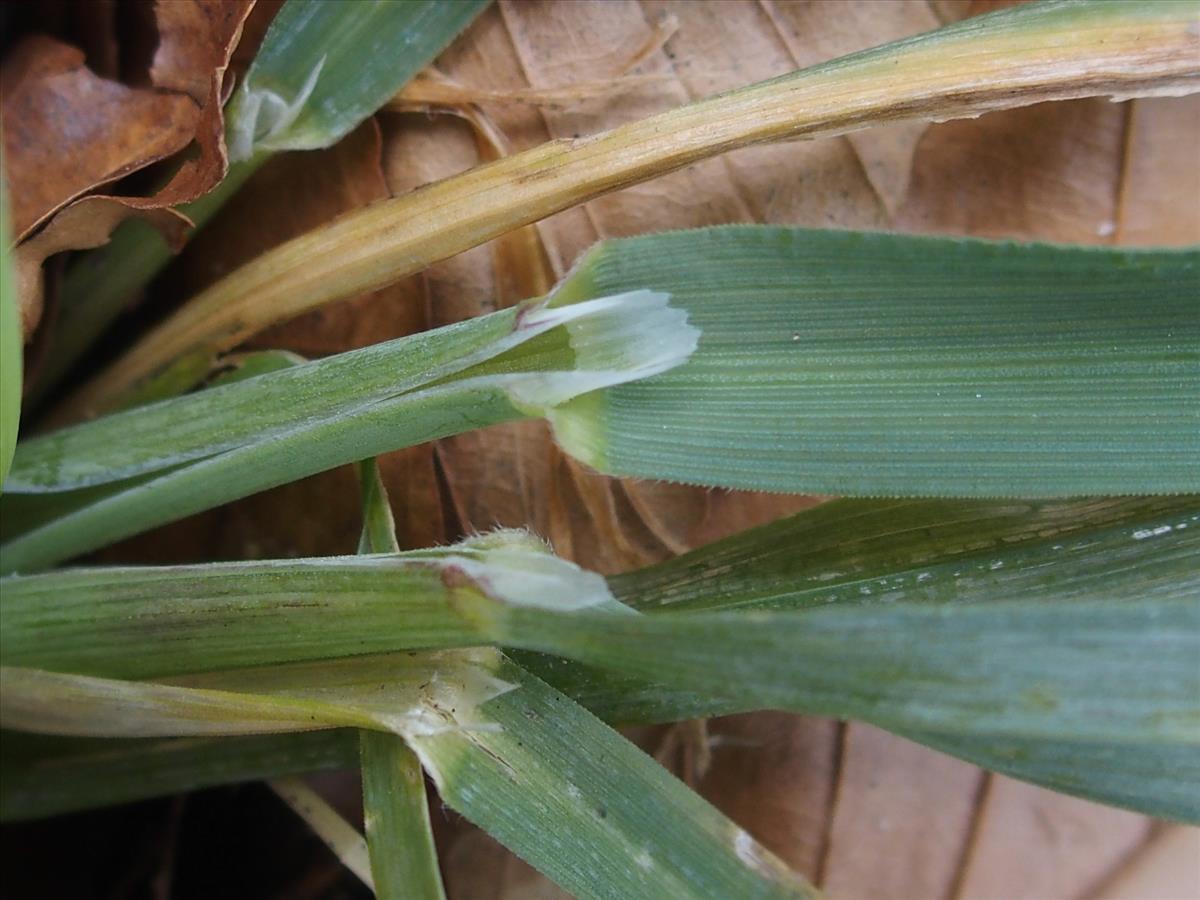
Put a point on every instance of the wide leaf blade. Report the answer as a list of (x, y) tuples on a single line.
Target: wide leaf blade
[(587, 808), (897, 365)]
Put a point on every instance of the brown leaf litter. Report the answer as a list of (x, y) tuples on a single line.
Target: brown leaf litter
[(69, 131)]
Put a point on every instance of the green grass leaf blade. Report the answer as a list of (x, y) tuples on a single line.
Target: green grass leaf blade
[(149, 622), (880, 552), (186, 428), (399, 836), (201, 369), (11, 342), (379, 527), (324, 67), (896, 365), (1109, 669), (404, 862), (241, 438), (44, 776), (587, 808), (409, 419)]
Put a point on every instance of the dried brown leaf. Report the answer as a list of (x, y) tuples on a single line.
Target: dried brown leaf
[(1048, 172), (68, 131), (88, 222), (1159, 202), (196, 43)]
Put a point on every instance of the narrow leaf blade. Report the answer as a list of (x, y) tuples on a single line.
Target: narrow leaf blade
[(11, 343), (404, 862), (44, 776), (240, 438), (399, 836)]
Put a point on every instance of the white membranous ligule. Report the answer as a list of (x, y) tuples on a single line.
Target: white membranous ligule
[(515, 568), (261, 116), (616, 339)]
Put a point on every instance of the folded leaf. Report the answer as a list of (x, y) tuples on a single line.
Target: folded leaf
[(143, 622), (402, 693), (1117, 667)]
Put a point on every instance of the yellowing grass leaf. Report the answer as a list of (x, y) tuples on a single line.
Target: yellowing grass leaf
[(1051, 51)]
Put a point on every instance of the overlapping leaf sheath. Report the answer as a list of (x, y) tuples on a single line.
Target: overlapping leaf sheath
[(1015, 634)]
